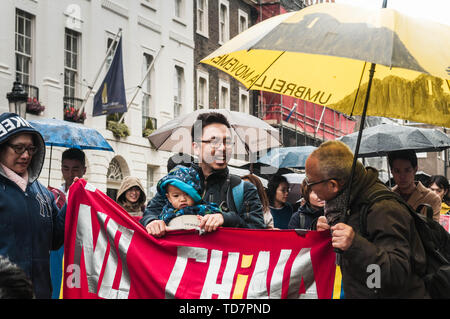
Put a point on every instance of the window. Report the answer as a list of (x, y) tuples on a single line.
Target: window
[(150, 181), (111, 53), (224, 95), (179, 9), (224, 22), (147, 99), (202, 17), (178, 91), (114, 178), (202, 90), (243, 20), (243, 101), (24, 44), (71, 69)]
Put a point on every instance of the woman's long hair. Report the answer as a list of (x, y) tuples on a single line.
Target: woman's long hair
[(260, 187), (272, 186), (441, 182)]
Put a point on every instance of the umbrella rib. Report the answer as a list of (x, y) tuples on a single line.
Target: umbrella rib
[(265, 70), (357, 91)]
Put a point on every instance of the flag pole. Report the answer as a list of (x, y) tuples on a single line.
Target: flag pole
[(139, 87), (99, 71), (320, 120)]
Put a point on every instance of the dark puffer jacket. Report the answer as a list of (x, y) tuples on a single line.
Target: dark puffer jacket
[(30, 223), (250, 217)]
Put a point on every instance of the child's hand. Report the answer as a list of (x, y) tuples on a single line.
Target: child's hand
[(210, 222)]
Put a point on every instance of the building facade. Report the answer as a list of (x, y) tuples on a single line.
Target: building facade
[(215, 22), (56, 49)]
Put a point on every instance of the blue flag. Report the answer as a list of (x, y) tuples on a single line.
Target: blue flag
[(111, 97)]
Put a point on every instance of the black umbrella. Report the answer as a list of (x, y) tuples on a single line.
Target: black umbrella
[(380, 139)]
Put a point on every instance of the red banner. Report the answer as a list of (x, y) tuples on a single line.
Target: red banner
[(109, 255)]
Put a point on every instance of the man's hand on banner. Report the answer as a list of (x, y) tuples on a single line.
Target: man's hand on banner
[(322, 224), (157, 228), (210, 222)]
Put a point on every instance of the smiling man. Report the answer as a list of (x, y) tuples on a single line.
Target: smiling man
[(213, 144)]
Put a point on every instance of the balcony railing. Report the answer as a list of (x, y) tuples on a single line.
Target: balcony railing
[(72, 107)]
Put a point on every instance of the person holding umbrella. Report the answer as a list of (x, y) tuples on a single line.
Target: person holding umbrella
[(212, 143), (404, 166), (392, 246), (30, 222)]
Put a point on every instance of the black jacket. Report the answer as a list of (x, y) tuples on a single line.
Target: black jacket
[(251, 215), (309, 215)]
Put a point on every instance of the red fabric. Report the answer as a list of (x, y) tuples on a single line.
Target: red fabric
[(149, 262), (60, 197)]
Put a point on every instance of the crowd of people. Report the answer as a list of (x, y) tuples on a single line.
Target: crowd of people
[(203, 192)]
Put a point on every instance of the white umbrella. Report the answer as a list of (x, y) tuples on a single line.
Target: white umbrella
[(251, 133)]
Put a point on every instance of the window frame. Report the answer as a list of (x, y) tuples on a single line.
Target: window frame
[(74, 87), (224, 84), (242, 14), (205, 76), (224, 35), (180, 87), (22, 57), (203, 31)]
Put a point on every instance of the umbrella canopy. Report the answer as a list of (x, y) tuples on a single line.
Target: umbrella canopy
[(250, 133), (326, 54), (67, 134), (380, 139), (293, 157)]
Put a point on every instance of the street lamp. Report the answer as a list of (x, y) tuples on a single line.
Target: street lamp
[(17, 99)]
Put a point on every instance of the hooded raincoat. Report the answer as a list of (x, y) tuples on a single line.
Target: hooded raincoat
[(135, 209), (30, 222)]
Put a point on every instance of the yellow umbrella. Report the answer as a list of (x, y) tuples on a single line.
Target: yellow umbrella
[(326, 53), (335, 54)]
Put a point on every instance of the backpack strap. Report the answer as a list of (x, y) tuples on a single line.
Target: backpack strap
[(302, 221), (236, 196), (429, 210)]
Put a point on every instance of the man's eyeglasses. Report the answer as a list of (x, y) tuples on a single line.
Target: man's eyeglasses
[(20, 149), (215, 143), (309, 184)]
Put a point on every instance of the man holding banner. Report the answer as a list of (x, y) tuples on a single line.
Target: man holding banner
[(213, 144), (386, 262)]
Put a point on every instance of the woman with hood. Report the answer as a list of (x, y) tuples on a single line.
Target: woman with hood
[(131, 196), (30, 222)]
